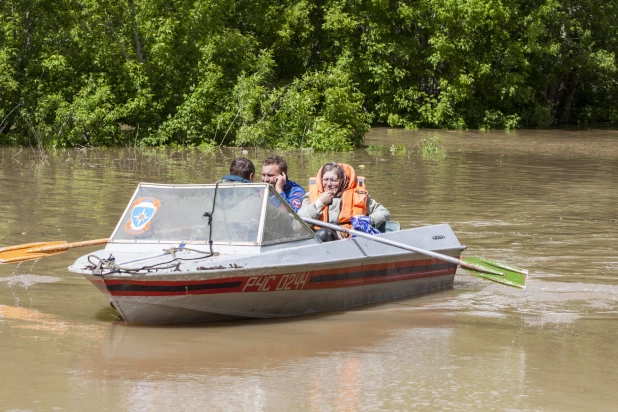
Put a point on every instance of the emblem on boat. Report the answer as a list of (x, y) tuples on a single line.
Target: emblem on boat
[(438, 237), (142, 212)]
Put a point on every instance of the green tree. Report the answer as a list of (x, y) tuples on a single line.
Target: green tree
[(298, 73)]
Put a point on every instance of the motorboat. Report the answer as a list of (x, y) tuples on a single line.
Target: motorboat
[(208, 252)]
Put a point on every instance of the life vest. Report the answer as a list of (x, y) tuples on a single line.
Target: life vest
[(353, 198)]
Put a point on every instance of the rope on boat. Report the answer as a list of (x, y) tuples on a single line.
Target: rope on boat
[(172, 251), (111, 265)]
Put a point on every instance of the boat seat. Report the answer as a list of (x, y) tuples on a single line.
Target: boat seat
[(389, 227)]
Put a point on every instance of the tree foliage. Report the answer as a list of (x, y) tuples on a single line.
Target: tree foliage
[(298, 73)]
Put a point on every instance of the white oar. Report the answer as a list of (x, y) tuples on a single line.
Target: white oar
[(506, 274)]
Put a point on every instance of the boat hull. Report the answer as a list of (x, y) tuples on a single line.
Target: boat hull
[(205, 308), (282, 282), (268, 294)]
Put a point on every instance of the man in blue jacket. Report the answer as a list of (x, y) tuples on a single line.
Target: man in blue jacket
[(275, 172), (241, 171)]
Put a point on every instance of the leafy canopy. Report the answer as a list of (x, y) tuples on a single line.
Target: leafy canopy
[(287, 74)]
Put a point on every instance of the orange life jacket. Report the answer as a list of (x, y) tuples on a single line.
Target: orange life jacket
[(353, 198)]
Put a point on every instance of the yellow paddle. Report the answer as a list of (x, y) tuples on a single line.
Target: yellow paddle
[(38, 250)]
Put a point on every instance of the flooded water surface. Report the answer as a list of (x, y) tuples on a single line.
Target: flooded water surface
[(545, 201)]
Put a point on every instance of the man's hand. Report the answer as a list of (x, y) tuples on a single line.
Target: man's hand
[(280, 183)]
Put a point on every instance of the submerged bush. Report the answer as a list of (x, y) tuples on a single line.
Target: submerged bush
[(430, 149)]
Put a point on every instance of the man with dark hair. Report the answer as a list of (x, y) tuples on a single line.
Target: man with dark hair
[(241, 171), (275, 172)]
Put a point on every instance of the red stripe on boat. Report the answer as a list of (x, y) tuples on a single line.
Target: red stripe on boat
[(317, 279)]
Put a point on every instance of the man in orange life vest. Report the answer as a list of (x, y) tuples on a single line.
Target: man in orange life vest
[(335, 195)]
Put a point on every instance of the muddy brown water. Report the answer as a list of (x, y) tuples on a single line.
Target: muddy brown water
[(546, 201)]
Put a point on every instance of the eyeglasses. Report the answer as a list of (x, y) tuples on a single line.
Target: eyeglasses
[(327, 180)]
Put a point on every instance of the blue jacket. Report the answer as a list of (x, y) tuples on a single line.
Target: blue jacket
[(293, 194), (233, 178)]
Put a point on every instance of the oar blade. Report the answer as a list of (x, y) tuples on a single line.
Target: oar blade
[(498, 272), (31, 251)]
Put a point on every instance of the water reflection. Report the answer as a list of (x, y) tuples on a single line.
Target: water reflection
[(267, 363), (386, 358)]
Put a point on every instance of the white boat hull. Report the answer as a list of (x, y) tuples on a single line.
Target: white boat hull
[(283, 282), (215, 307)]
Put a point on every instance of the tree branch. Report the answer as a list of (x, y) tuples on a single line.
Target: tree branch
[(138, 44), (111, 28), (2, 123)]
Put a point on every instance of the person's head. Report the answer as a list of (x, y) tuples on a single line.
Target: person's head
[(272, 167), (333, 178), (243, 167)]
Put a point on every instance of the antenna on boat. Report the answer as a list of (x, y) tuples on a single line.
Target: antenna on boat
[(209, 216)]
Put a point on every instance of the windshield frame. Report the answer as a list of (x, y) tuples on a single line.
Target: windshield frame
[(262, 216)]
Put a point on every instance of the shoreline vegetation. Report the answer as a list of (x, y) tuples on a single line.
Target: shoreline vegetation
[(298, 74)]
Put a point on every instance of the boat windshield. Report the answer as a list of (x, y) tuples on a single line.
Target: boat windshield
[(242, 214)]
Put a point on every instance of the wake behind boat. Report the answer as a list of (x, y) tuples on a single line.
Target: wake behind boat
[(194, 253)]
